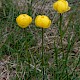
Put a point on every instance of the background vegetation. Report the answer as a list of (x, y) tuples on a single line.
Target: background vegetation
[(20, 53)]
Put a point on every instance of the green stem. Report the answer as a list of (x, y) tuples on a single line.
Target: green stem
[(56, 61), (35, 71), (26, 51), (60, 31), (61, 37), (42, 55), (26, 45)]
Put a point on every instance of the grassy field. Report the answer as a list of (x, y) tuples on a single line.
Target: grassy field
[(20, 49)]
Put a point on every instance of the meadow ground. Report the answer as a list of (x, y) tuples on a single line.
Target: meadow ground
[(20, 49)]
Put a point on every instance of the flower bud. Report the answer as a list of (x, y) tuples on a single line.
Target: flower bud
[(42, 21), (23, 20), (61, 6)]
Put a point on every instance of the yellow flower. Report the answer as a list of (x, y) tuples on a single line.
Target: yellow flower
[(61, 0), (23, 20), (61, 6), (42, 21)]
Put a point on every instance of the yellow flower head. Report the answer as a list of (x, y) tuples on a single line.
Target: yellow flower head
[(61, 6), (61, 0), (42, 21), (23, 20)]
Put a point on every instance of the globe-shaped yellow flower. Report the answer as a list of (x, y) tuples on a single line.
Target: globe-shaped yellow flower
[(61, 0), (42, 21), (61, 6), (23, 20)]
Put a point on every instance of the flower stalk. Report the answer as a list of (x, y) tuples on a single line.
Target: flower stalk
[(61, 33), (43, 71)]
